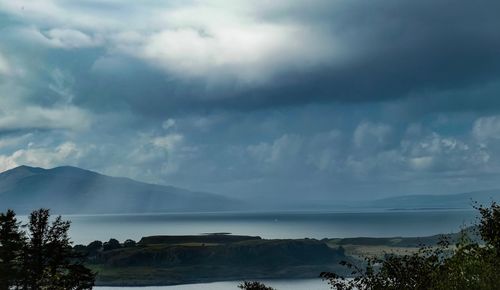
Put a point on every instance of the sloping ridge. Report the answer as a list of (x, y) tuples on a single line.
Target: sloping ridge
[(73, 190), (452, 201)]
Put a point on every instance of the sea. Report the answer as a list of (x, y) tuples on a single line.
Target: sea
[(298, 284), (276, 225), (269, 225)]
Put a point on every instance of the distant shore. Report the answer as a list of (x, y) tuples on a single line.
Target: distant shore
[(174, 260)]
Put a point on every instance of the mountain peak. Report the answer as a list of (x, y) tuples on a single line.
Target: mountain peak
[(71, 169), (37, 170), (71, 189), (23, 169), (26, 167)]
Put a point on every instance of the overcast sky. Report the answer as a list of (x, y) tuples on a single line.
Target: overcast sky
[(278, 99)]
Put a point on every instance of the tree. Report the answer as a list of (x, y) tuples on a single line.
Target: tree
[(489, 225), (44, 258), (129, 243), (49, 257), (112, 244), (94, 247), (467, 265), (254, 286), (11, 245)]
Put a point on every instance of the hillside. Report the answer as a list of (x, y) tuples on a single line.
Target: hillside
[(72, 190), (445, 201), (191, 259), (169, 260)]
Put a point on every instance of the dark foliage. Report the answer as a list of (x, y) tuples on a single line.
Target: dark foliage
[(94, 247), (112, 244), (465, 265), (254, 286), (43, 257), (489, 225), (11, 246), (129, 243)]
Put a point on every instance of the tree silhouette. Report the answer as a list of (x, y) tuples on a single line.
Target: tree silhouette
[(112, 244), (11, 246), (129, 243), (44, 258), (467, 265), (254, 286)]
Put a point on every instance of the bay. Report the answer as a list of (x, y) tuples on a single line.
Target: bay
[(278, 225), (299, 284)]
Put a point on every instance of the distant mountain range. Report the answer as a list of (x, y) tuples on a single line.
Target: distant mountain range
[(73, 190), (445, 201)]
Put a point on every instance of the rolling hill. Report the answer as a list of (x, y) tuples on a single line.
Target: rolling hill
[(73, 190), (445, 201)]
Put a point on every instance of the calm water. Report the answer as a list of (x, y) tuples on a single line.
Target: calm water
[(87, 228), (319, 225), (302, 284)]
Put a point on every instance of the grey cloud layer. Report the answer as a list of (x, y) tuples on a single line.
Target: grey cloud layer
[(247, 56), (254, 98)]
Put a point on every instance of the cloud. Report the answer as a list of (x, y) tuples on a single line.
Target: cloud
[(4, 66), (70, 118), (282, 151), (421, 163), (487, 128), (371, 135), (168, 142), (6, 163), (62, 85), (70, 39), (66, 153), (190, 40), (168, 124), (251, 55), (239, 97), (30, 102), (14, 141), (56, 38), (437, 153)]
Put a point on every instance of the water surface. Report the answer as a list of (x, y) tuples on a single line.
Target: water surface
[(299, 284), (87, 228)]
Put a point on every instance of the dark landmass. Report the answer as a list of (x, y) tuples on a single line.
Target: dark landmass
[(71, 190), (170, 260), (425, 208), (471, 232), (356, 249), (218, 238), (437, 202)]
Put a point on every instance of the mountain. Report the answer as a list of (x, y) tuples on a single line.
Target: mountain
[(451, 201), (73, 190)]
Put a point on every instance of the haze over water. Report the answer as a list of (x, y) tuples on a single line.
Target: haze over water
[(301, 284), (87, 228)]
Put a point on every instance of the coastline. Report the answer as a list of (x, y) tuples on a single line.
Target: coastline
[(180, 260)]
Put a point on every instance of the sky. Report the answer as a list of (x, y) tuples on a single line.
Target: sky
[(277, 100)]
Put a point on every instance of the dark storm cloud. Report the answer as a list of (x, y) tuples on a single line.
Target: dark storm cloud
[(256, 98), (397, 49), (436, 51), (345, 52)]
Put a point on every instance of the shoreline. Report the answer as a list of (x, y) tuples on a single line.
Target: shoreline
[(181, 260)]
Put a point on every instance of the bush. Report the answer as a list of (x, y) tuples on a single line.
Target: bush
[(129, 243), (112, 244), (467, 265), (254, 286)]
